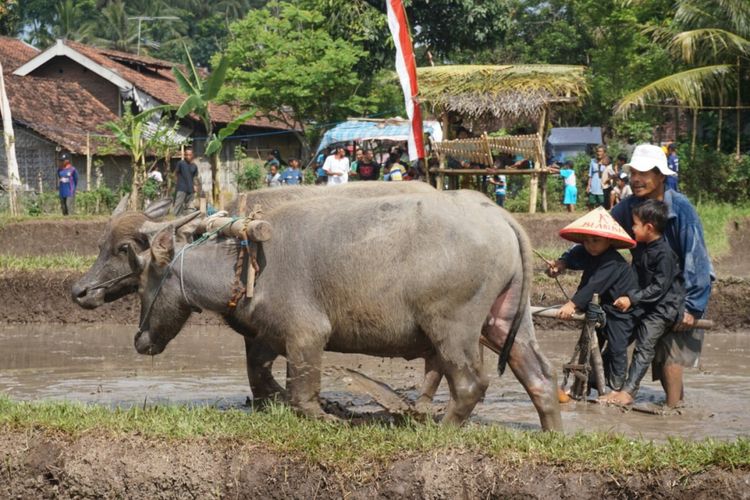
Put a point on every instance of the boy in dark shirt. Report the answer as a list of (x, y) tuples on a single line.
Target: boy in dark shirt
[(660, 295), (607, 273)]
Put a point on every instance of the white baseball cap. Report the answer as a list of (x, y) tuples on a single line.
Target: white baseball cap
[(648, 157)]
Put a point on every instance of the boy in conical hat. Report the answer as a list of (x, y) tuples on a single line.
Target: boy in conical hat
[(607, 273)]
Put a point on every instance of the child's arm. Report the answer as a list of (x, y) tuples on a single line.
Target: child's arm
[(603, 278)]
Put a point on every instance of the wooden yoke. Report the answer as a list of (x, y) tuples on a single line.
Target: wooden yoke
[(256, 230)]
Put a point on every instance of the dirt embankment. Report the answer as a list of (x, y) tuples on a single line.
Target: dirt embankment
[(44, 465), (44, 296)]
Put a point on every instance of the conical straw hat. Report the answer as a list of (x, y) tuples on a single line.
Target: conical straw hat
[(598, 222)]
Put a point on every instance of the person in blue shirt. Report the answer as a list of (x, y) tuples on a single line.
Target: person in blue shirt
[(67, 181), (682, 346), (673, 163), (292, 176), (499, 182)]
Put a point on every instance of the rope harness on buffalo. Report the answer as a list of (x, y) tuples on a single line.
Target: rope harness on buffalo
[(250, 229)]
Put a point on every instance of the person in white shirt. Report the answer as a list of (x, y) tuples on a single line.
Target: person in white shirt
[(336, 167)]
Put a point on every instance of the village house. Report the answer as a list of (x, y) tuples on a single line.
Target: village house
[(62, 97)]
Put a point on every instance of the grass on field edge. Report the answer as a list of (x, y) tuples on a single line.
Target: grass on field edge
[(60, 262), (354, 449)]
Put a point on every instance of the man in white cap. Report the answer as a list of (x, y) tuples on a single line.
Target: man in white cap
[(684, 233)]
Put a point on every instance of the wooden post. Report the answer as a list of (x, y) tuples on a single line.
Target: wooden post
[(540, 160), (721, 121), (203, 204), (533, 189), (88, 161), (39, 182)]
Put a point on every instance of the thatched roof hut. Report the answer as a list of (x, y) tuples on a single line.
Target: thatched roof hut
[(510, 93)]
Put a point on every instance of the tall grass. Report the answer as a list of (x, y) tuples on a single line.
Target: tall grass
[(716, 218), (355, 448)]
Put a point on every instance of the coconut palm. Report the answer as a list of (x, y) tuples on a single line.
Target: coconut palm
[(713, 36)]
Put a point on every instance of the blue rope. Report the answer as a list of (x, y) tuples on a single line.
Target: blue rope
[(203, 238)]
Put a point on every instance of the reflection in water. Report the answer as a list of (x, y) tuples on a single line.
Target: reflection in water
[(207, 366)]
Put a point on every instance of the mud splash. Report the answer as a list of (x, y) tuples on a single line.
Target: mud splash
[(205, 365)]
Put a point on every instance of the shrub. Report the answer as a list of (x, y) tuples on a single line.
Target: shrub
[(250, 175), (713, 175)]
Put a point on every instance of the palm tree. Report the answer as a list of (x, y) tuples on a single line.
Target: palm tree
[(713, 36), (200, 93), (115, 30), (71, 22)]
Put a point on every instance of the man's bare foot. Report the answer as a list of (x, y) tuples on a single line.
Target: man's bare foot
[(617, 398)]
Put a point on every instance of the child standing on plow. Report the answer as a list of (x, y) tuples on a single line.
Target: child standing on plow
[(607, 273), (660, 295)]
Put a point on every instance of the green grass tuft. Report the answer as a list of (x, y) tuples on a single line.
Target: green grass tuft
[(62, 262), (355, 448), (716, 218)]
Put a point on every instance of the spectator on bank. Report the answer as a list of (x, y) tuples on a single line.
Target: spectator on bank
[(273, 178), (359, 155), (594, 183), (292, 175), (621, 190), (67, 181), (500, 188), (320, 174), (336, 168), (186, 175), (570, 189), (368, 169), (673, 163)]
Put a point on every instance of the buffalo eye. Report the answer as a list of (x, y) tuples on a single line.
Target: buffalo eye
[(123, 248)]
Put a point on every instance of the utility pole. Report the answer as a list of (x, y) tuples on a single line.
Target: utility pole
[(140, 19)]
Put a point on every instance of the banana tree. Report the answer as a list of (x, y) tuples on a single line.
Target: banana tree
[(132, 134), (201, 92)]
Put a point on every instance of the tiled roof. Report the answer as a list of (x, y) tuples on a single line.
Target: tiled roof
[(14, 52), (59, 110), (154, 77)]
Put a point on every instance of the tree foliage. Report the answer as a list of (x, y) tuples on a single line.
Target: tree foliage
[(283, 61)]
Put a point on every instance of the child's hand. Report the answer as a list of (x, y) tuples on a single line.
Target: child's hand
[(622, 303), (556, 268), (566, 311)]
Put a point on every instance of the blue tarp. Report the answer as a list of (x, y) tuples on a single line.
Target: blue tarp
[(356, 130)]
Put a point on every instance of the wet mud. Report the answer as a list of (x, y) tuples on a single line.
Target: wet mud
[(205, 365)]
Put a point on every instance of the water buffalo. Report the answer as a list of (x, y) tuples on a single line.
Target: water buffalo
[(111, 278), (418, 275)]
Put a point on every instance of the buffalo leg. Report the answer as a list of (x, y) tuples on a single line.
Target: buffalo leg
[(304, 356), (532, 369), (432, 378), (259, 360)]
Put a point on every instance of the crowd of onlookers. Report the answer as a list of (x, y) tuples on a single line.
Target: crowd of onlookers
[(339, 165), (607, 182)]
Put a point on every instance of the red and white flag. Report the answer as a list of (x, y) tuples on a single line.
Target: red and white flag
[(406, 67)]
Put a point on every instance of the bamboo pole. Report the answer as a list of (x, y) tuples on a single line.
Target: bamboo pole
[(721, 122), (88, 161), (10, 147), (694, 135), (739, 102), (551, 313)]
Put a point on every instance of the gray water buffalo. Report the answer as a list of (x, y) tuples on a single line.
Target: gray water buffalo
[(417, 275), (111, 278)]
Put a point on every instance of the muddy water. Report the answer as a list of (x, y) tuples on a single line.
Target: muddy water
[(207, 366)]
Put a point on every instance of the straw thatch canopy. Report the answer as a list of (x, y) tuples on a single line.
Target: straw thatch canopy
[(510, 92)]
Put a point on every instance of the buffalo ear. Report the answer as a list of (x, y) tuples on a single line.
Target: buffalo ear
[(137, 263), (122, 206), (162, 247), (158, 209)]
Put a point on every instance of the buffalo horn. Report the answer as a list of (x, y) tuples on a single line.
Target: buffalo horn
[(122, 206), (150, 228)]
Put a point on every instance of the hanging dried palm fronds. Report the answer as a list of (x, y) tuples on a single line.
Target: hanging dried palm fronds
[(510, 91)]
